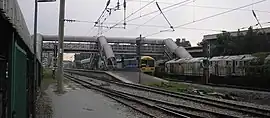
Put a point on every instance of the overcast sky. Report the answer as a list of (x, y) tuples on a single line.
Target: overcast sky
[(90, 10)]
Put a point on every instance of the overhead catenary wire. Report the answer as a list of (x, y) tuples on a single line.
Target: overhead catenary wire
[(228, 11), (163, 12), (150, 13), (154, 26), (254, 14), (160, 26), (174, 5), (209, 7), (107, 4), (129, 16), (133, 13), (90, 31), (211, 16), (125, 12), (164, 16)]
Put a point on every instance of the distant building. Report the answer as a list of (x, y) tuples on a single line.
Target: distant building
[(81, 56), (196, 51), (234, 33), (208, 40), (182, 42)]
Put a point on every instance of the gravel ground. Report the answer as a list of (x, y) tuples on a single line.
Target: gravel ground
[(124, 110), (169, 99), (250, 96), (127, 111), (175, 100), (156, 113), (43, 106), (206, 115), (153, 112)]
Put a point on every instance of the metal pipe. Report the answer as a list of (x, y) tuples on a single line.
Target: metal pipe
[(60, 47)]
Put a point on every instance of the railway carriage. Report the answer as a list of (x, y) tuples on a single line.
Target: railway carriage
[(147, 64), (221, 66), (187, 67), (194, 67)]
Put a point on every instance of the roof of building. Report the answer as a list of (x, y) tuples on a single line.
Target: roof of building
[(234, 33)]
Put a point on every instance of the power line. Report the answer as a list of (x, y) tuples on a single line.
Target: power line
[(134, 13), (221, 13), (147, 14), (153, 26), (205, 18), (163, 12), (209, 7), (129, 16), (165, 16), (90, 31), (107, 4)]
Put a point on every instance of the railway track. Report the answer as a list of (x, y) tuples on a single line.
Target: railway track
[(225, 85), (129, 101), (208, 107)]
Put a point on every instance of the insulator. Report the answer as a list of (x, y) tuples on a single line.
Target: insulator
[(125, 4)]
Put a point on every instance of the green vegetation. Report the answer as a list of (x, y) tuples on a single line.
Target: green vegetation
[(47, 79), (252, 42), (260, 58), (171, 86)]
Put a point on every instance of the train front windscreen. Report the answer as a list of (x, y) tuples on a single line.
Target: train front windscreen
[(147, 63)]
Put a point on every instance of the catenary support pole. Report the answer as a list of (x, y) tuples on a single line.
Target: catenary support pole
[(35, 63), (139, 57), (60, 47)]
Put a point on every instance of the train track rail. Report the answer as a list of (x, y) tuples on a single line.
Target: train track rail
[(247, 111), (226, 85), (119, 97)]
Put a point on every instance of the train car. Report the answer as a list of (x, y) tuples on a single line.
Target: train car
[(19, 77), (147, 64), (219, 66), (172, 68), (193, 66), (230, 65), (130, 64), (185, 67)]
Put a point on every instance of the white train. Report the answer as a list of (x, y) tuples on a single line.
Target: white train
[(218, 66)]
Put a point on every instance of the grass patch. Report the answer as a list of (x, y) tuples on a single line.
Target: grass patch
[(171, 86), (47, 79)]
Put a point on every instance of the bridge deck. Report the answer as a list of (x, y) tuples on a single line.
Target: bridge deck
[(134, 77)]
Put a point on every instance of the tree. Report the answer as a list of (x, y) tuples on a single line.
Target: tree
[(252, 42)]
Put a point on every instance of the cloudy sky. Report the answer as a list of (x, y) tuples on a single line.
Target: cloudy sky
[(189, 12)]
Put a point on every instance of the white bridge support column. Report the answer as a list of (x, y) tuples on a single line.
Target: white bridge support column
[(179, 51), (107, 50)]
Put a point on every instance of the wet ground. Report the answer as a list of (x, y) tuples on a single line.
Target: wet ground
[(78, 102)]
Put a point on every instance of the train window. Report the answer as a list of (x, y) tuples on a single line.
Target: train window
[(143, 65), (227, 62), (245, 62), (143, 62), (150, 63)]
